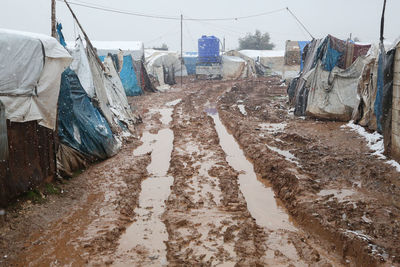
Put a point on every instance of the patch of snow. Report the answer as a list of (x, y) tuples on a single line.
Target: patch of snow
[(340, 194), (288, 156), (173, 103), (273, 127), (242, 109), (374, 142)]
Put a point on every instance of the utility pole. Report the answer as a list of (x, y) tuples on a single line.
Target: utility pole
[(223, 47), (53, 19), (181, 50)]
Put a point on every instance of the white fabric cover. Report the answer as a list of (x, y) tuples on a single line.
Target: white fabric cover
[(333, 95), (233, 67), (40, 95), (80, 65)]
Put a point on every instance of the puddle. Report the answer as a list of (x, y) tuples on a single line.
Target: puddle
[(260, 199), (146, 236), (288, 156), (340, 194)]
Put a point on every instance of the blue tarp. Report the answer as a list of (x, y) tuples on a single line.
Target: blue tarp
[(331, 57), (80, 124), (190, 64), (61, 35), (129, 78), (302, 45)]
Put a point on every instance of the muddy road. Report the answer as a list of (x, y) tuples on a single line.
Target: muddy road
[(219, 174)]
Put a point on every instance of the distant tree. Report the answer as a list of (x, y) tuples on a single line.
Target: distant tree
[(163, 47), (256, 41)]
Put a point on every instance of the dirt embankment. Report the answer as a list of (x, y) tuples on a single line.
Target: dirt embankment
[(324, 174)]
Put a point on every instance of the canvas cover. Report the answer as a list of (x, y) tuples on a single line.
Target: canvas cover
[(31, 67), (333, 94)]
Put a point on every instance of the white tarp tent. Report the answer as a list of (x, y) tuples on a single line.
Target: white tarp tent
[(233, 67), (104, 87), (158, 61), (31, 66)]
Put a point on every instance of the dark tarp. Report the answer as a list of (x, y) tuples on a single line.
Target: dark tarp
[(80, 124), (3, 134)]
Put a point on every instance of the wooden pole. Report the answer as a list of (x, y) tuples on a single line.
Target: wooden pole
[(53, 19), (181, 50), (88, 43), (383, 21)]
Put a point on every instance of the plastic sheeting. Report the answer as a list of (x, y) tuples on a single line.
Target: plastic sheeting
[(302, 45), (233, 67), (333, 95), (116, 94), (28, 62), (80, 124), (129, 78), (80, 65)]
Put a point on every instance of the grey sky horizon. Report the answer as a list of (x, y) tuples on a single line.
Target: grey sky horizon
[(321, 17)]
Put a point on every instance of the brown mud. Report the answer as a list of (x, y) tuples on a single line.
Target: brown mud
[(270, 189)]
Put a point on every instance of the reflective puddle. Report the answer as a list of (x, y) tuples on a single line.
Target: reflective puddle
[(260, 199), (143, 241)]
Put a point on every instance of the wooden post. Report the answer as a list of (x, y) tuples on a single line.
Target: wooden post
[(88, 43), (383, 21), (53, 19)]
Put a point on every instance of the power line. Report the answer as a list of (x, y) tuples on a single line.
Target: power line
[(119, 11)]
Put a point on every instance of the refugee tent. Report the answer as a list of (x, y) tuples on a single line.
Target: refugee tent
[(164, 66), (235, 68), (190, 59), (128, 58), (82, 127), (327, 86), (273, 62), (132, 48), (103, 86), (29, 87)]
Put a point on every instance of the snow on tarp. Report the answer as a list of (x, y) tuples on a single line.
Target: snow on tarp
[(28, 89), (80, 124)]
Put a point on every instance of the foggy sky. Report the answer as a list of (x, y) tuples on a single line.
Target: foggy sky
[(321, 17)]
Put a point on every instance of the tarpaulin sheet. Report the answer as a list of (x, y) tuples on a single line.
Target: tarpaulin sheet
[(129, 78), (302, 45), (80, 124), (61, 35), (379, 87), (31, 77), (190, 64)]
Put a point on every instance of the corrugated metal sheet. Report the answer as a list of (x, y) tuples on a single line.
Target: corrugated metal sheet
[(31, 160)]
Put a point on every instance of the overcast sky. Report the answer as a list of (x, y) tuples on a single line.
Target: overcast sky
[(321, 17)]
